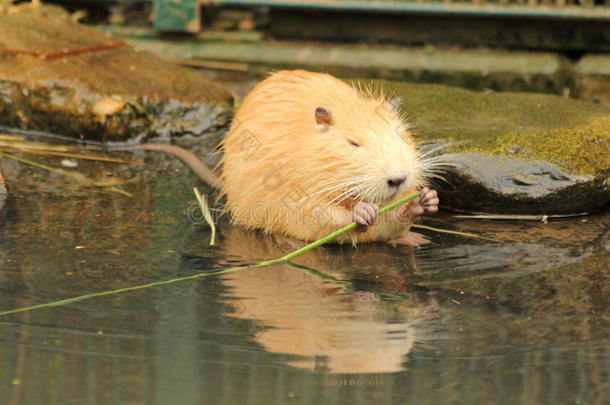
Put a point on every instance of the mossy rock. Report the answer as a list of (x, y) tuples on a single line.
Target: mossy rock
[(514, 153), (100, 94)]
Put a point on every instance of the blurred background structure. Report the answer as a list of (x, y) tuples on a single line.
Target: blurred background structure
[(549, 46), (572, 21), (532, 24)]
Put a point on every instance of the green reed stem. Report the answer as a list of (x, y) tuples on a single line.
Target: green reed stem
[(285, 258), (121, 290)]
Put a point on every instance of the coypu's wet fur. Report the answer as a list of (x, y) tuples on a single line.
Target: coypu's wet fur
[(307, 154)]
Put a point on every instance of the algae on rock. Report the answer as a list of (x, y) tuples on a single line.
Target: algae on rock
[(514, 153)]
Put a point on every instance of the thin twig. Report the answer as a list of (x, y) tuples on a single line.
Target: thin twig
[(44, 152), (63, 52), (542, 218), (466, 234), (212, 64), (74, 175)]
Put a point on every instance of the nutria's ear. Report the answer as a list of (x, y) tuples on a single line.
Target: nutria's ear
[(324, 118)]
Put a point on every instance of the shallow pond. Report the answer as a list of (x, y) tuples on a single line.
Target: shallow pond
[(524, 321)]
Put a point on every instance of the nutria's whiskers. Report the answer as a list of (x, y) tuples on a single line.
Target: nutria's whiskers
[(353, 192), (434, 167), (338, 186)]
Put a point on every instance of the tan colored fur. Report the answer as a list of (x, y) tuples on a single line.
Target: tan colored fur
[(284, 173)]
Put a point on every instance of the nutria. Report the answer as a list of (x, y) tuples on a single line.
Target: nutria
[(307, 154)]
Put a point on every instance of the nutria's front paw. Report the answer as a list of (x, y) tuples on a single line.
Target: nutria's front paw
[(365, 213), (426, 203)]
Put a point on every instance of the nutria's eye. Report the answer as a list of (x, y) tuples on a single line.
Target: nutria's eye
[(353, 143)]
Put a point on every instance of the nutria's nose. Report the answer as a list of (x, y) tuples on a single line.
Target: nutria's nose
[(396, 181)]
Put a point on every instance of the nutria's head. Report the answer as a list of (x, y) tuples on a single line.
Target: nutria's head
[(369, 150), (373, 155)]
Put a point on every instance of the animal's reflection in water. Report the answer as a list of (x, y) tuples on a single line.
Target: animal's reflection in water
[(339, 309)]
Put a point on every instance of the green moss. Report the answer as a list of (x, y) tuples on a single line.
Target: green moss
[(571, 134), (583, 150)]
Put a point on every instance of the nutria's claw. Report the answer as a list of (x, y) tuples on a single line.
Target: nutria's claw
[(365, 213), (426, 203)]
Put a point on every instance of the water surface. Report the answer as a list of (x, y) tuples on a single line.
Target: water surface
[(524, 321)]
